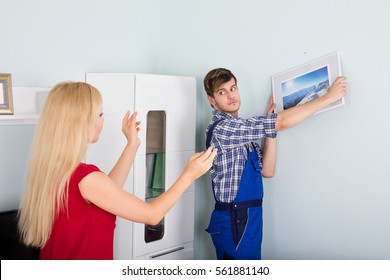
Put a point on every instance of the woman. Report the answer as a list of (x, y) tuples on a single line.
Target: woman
[(68, 209)]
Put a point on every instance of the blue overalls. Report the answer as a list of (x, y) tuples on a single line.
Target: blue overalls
[(236, 227)]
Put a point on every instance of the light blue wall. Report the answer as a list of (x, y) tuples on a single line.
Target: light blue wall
[(330, 196), (44, 42), (15, 144)]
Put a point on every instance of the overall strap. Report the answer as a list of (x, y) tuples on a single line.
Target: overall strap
[(210, 133), (253, 146), (208, 142)]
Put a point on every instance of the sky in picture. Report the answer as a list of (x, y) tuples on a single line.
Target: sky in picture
[(304, 81)]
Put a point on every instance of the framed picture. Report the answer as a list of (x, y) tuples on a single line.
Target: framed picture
[(305, 83), (6, 101)]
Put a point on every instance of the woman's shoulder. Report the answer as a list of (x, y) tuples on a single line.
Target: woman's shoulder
[(84, 169), (86, 166)]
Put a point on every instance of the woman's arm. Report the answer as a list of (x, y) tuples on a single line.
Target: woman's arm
[(130, 127), (102, 191)]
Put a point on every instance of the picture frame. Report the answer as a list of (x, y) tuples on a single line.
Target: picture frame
[(307, 82), (6, 100)]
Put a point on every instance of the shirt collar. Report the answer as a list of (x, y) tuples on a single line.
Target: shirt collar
[(221, 115)]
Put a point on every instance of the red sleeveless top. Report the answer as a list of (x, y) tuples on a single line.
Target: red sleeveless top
[(85, 231)]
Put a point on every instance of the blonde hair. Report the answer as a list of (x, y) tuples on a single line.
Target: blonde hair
[(60, 143)]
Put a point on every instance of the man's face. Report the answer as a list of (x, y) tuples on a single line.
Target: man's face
[(226, 98)]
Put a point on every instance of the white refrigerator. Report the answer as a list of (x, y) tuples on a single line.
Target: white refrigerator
[(166, 107)]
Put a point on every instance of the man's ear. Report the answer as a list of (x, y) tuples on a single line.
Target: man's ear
[(211, 100)]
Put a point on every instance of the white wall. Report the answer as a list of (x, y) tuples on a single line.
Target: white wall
[(329, 198)]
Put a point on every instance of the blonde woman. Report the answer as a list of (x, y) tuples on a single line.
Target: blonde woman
[(68, 208)]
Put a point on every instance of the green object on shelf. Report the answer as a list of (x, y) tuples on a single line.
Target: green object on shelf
[(158, 172)]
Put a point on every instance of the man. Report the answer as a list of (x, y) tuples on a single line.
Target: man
[(236, 222)]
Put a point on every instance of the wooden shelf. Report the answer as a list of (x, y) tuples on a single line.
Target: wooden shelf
[(28, 102), (19, 119)]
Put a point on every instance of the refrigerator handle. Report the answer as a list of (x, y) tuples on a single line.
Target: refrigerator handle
[(166, 252)]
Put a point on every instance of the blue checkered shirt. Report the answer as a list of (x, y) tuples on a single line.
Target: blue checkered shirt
[(233, 138)]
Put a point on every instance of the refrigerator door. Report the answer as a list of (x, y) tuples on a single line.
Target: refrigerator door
[(179, 222), (175, 98)]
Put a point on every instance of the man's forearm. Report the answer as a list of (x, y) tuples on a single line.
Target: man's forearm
[(297, 114)]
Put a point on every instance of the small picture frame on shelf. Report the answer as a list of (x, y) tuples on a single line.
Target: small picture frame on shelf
[(307, 82), (6, 101)]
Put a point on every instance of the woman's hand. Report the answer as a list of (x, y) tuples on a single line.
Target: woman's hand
[(200, 163), (130, 127)]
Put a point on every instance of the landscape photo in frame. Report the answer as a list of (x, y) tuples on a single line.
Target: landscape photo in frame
[(305, 83)]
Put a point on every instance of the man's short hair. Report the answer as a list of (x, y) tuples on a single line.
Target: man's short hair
[(215, 78)]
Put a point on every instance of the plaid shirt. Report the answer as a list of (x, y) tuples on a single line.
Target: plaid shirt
[(233, 138)]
